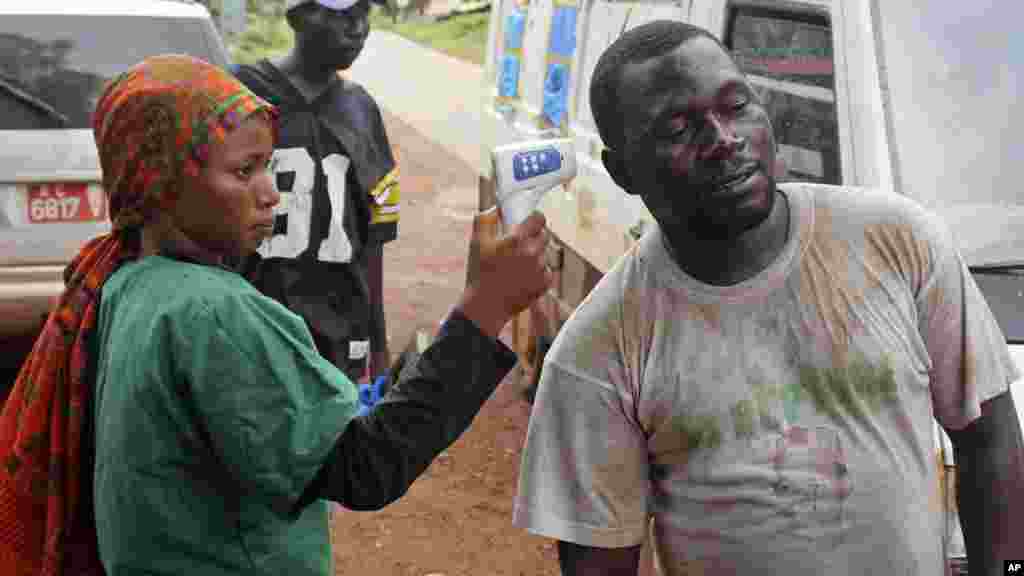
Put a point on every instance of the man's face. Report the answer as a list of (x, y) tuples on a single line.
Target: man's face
[(335, 36), (699, 148)]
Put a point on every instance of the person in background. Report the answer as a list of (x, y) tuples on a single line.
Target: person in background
[(173, 420), (334, 168), (760, 373)]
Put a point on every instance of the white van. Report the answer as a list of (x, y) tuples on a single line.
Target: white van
[(55, 58), (917, 97)]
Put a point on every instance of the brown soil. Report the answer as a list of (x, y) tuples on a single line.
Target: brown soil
[(456, 520)]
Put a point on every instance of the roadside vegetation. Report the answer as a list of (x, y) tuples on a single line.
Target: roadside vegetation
[(266, 35), (462, 36)]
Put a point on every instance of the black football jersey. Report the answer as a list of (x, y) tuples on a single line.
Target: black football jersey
[(337, 177)]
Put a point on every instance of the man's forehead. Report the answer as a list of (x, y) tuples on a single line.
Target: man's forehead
[(689, 62), (697, 68)]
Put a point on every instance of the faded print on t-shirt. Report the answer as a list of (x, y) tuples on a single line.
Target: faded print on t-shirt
[(782, 424)]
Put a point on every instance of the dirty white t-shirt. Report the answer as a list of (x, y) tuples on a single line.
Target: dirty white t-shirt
[(781, 425)]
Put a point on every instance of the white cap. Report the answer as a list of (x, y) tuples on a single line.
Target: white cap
[(338, 5)]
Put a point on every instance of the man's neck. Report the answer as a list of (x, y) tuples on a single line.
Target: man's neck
[(308, 78), (729, 261)]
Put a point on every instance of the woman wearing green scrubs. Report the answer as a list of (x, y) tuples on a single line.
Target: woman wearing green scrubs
[(171, 419)]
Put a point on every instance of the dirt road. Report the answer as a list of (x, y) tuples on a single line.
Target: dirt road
[(456, 519)]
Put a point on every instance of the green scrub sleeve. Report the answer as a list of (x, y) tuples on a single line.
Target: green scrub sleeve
[(271, 407)]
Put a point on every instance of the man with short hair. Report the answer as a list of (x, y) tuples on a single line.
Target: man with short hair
[(758, 375), (336, 173)]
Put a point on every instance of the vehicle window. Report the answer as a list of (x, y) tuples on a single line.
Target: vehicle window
[(53, 67), (1004, 293), (788, 58)]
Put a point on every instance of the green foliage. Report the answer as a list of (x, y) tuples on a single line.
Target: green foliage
[(463, 36), (265, 36)]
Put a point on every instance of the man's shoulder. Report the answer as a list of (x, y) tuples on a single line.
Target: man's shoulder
[(866, 206), (351, 101), (882, 225), (863, 199), (596, 322), (356, 92), (257, 78), (253, 75)]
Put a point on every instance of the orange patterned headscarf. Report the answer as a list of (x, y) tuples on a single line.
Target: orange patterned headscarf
[(153, 126)]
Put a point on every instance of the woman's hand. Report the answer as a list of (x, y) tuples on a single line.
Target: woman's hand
[(505, 274)]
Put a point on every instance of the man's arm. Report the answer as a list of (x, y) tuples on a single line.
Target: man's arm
[(380, 353), (989, 456), (576, 560), (970, 376), (585, 469)]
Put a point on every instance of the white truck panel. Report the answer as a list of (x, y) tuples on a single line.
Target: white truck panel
[(594, 215), (531, 77), (924, 94), (953, 88)]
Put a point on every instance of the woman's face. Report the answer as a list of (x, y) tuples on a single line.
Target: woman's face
[(228, 209)]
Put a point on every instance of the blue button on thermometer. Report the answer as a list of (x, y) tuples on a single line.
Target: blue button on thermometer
[(525, 171), (526, 165)]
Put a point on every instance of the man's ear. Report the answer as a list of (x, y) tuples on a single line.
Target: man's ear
[(615, 164)]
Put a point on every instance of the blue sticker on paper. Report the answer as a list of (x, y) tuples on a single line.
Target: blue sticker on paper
[(556, 94), (508, 83), (515, 24), (563, 31)]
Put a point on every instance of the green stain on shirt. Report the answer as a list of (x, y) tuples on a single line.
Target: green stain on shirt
[(743, 418), (699, 432), (877, 384), (765, 398), (791, 396), (813, 381), (850, 389)]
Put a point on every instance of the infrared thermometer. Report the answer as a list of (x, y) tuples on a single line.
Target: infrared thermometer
[(525, 171)]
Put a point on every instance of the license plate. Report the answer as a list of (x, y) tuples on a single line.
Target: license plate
[(66, 202)]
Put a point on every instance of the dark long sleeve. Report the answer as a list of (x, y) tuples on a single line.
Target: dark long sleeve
[(380, 454)]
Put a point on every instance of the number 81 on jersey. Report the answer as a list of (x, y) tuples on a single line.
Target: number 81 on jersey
[(297, 207)]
